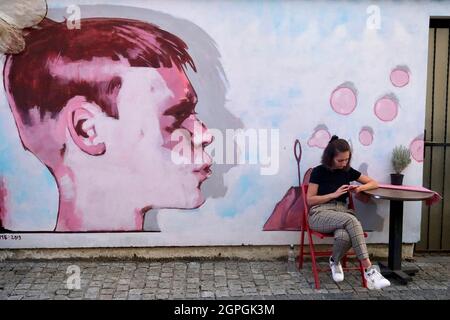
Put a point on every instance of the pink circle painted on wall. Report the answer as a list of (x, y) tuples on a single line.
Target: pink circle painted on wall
[(416, 149), (366, 136), (343, 100), (399, 77), (386, 108), (320, 138)]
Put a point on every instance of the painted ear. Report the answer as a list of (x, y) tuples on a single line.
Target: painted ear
[(81, 124)]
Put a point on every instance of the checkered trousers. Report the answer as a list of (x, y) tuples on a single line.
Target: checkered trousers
[(335, 217)]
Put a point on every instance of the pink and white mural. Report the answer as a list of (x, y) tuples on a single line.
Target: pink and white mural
[(171, 123), (400, 76), (97, 107), (366, 136), (320, 137), (343, 99)]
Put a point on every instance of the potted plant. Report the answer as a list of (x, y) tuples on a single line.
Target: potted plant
[(401, 158)]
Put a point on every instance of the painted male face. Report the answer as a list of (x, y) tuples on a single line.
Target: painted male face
[(152, 104)]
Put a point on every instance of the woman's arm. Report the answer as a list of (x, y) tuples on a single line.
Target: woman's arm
[(367, 184), (313, 199)]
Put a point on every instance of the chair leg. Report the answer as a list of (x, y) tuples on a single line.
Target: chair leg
[(313, 262), (300, 265), (344, 261), (361, 270)]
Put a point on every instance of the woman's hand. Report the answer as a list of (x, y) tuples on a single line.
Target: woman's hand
[(340, 191), (356, 189)]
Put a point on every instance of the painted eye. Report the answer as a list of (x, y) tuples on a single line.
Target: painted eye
[(182, 116), (183, 120)]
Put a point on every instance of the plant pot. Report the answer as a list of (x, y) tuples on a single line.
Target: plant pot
[(397, 179)]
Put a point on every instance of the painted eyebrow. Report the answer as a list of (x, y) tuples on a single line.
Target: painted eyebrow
[(186, 104)]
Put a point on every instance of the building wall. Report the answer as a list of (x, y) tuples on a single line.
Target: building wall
[(279, 71)]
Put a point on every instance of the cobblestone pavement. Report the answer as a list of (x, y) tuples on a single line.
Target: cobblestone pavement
[(224, 279)]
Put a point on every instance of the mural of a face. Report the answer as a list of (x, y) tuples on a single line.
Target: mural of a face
[(133, 168), (129, 159), (152, 103), (102, 116)]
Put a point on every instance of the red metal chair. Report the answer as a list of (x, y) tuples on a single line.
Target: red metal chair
[(312, 251)]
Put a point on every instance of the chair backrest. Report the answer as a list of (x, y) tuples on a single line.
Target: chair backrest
[(307, 176), (303, 193), (305, 207)]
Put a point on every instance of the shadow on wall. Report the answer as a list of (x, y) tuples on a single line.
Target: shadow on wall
[(367, 212), (209, 82)]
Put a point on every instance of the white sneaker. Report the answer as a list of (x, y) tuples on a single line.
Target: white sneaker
[(375, 279), (336, 271)]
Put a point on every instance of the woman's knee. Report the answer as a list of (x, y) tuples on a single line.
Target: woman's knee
[(353, 221), (342, 236)]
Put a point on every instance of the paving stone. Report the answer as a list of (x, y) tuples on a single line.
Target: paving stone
[(62, 292), (123, 287), (107, 291), (222, 293), (23, 286), (31, 293), (210, 280), (207, 294)]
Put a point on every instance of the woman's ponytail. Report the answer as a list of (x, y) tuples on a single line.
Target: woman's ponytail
[(333, 138)]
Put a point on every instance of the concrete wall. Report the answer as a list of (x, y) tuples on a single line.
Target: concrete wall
[(263, 253)]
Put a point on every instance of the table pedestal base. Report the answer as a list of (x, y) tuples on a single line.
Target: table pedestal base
[(396, 198), (403, 275)]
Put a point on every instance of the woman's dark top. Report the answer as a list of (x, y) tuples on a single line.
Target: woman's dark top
[(330, 180)]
